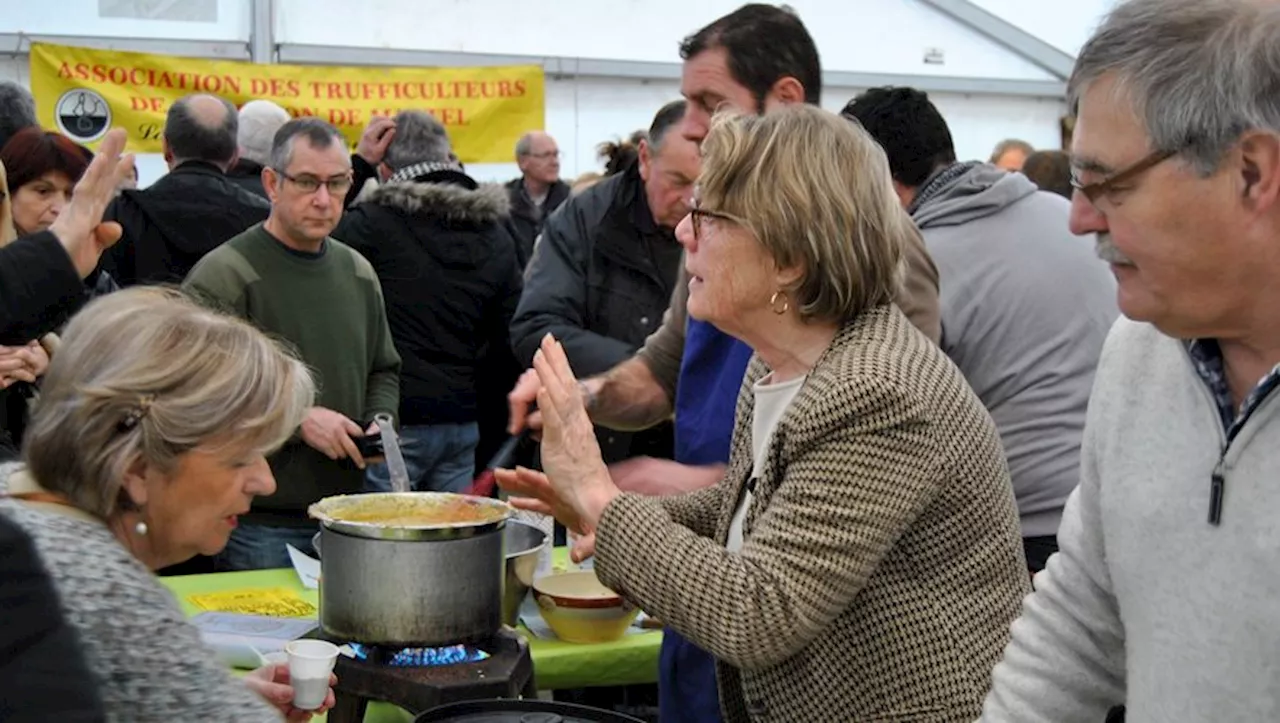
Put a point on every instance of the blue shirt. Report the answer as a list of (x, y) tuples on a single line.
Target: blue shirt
[(711, 372)]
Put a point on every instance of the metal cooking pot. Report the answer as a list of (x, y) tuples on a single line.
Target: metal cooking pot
[(524, 542), (405, 582)]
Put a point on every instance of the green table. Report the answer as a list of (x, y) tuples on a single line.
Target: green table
[(556, 664)]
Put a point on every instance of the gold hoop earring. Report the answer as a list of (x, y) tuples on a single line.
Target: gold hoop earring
[(773, 303)]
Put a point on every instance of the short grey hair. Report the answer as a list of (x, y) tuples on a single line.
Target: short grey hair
[(192, 138), (17, 110), (259, 121), (1198, 73), (524, 146), (317, 133), (420, 138), (148, 374)]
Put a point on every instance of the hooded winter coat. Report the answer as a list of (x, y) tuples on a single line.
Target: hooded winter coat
[(451, 281)]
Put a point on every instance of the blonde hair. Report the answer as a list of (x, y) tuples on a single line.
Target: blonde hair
[(148, 374), (815, 191)]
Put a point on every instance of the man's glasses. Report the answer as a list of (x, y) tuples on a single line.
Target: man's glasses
[(545, 155), (337, 186), (1103, 188)]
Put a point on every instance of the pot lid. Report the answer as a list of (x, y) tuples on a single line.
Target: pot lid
[(520, 711)]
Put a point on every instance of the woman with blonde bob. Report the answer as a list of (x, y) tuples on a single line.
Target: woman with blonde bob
[(148, 441), (861, 558)]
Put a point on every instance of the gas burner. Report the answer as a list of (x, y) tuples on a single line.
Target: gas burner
[(418, 657), (500, 667)]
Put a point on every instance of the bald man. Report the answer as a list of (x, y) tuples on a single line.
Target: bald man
[(172, 224), (538, 191)]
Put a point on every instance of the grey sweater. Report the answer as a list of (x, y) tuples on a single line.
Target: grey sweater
[(1147, 603), (150, 663), (1025, 308)]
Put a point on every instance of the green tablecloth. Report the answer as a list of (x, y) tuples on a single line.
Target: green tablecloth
[(556, 664)]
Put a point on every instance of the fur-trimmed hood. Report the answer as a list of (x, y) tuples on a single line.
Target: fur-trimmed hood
[(448, 202)]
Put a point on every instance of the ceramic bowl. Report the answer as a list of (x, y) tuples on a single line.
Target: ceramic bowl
[(581, 610)]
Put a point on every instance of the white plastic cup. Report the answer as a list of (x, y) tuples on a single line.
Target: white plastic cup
[(310, 664)]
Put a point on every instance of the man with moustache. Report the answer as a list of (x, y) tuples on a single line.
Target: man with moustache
[(756, 58), (1163, 594), (293, 281)]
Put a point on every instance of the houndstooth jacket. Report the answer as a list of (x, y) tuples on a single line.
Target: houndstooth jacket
[(882, 561)]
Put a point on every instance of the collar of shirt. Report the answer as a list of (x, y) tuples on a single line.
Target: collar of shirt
[(1206, 359)]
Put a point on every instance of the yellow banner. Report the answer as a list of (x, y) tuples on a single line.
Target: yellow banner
[(83, 92)]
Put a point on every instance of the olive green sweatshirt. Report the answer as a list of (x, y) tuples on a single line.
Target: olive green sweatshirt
[(329, 307)]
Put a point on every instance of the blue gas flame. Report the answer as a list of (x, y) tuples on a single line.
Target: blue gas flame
[(424, 657)]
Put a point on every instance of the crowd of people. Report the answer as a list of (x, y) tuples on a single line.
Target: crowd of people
[(878, 433)]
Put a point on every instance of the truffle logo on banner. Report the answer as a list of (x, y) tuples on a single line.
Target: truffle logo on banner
[(83, 114)]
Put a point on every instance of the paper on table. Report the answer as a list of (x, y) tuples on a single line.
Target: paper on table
[(307, 567), (275, 602), (247, 641)]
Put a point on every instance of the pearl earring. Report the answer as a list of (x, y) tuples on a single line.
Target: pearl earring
[(140, 528)]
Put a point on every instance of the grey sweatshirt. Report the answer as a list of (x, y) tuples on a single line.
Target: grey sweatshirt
[(1147, 603), (1026, 306), (151, 665)]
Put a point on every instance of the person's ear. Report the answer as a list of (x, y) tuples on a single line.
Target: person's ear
[(787, 278), (786, 91), (1259, 170), (134, 484), (646, 160), (271, 179)]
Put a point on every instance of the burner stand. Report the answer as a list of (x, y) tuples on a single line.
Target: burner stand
[(506, 673)]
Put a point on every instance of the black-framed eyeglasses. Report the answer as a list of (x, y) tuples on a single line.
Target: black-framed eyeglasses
[(1099, 189), (337, 186), (698, 214), (545, 155)]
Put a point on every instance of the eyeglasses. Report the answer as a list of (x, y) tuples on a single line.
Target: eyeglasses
[(698, 215), (337, 186), (1100, 189), (544, 155)]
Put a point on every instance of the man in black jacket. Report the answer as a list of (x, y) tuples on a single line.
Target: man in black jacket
[(451, 282), (602, 275), (171, 225), (537, 192)]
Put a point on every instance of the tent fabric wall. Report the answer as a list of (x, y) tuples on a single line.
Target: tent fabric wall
[(611, 65)]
